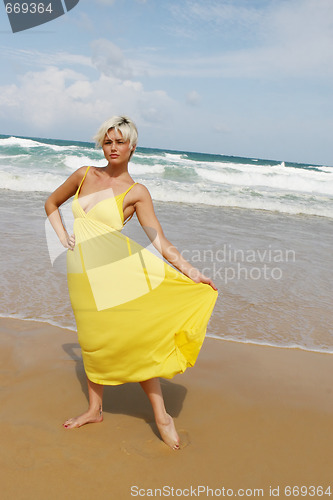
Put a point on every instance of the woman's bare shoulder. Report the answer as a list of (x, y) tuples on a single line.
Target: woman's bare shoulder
[(79, 173), (141, 192), (95, 170), (90, 170), (67, 189), (142, 200)]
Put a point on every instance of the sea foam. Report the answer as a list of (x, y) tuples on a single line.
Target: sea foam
[(182, 177)]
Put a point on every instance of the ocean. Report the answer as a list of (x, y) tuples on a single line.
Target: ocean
[(261, 229)]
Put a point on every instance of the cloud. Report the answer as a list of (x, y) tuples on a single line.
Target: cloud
[(105, 2), (66, 104), (61, 102), (35, 58), (44, 97), (221, 128), (268, 39), (109, 59), (194, 16), (112, 2), (193, 98), (265, 40)]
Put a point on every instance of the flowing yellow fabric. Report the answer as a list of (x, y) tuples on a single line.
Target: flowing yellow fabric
[(137, 317)]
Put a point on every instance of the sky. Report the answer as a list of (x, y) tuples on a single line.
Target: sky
[(248, 78)]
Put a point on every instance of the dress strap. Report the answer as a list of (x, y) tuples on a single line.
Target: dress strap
[(129, 218), (129, 188), (78, 189)]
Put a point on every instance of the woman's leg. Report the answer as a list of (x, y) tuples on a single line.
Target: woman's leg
[(163, 420), (94, 412)]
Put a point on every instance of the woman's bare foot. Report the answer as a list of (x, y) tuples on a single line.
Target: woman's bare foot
[(89, 417), (168, 432)]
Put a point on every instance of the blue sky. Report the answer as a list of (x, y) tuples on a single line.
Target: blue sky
[(238, 77)]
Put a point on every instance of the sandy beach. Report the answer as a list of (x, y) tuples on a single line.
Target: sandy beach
[(250, 417)]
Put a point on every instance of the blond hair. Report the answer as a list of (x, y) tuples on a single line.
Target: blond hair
[(121, 124)]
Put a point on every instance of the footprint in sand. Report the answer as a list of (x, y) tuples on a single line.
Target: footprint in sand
[(153, 448)]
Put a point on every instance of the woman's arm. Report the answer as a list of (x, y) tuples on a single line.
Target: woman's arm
[(56, 199), (146, 215)]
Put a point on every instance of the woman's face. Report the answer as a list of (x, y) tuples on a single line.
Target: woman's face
[(115, 149)]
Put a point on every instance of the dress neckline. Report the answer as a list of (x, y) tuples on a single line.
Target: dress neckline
[(109, 198), (100, 201)]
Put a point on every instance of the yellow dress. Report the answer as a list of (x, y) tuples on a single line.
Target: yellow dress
[(137, 317)]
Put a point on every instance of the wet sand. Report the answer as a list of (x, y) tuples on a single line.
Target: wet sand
[(249, 417)]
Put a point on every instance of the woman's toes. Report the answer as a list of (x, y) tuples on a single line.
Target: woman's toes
[(168, 433), (86, 418)]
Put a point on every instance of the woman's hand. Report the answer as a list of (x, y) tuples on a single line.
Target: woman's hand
[(68, 241), (198, 277)]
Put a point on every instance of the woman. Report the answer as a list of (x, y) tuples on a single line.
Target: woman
[(137, 317)]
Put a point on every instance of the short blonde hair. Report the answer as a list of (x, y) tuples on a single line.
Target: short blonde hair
[(121, 124)]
